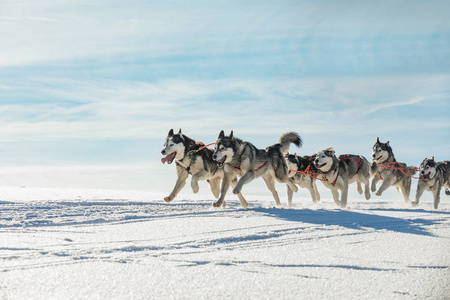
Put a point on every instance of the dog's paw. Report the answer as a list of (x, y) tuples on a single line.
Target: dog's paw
[(414, 203), (378, 193), (244, 205), (447, 192), (195, 189), (373, 189), (218, 204), (236, 191), (168, 199)]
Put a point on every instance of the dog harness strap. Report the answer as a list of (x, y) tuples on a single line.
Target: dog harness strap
[(239, 167), (203, 147), (261, 166), (337, 175), (345, 156), (334, 182)]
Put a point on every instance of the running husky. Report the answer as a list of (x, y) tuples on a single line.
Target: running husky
[(384, 157), (193, 158), (243, 159), (339, 173), (299, 163), (433, 177)]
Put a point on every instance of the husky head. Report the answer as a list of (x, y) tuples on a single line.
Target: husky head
[(428, 168), (381, 151), (174, 147), (224, 149), (293, 164), (324, 160)]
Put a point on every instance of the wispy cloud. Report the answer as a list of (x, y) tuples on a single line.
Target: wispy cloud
[(127, 109), (393, 104)]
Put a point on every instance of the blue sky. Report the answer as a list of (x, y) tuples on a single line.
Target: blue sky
[(100, 83)]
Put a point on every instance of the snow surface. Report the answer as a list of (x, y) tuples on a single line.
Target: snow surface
[(105, 244)]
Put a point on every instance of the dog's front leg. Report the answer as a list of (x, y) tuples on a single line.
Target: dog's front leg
[(223, 191), (335, 194), (344, 195), (246, 178), (244, 203), (420, 189), (290, 194), (201, 175), (437, 195), (384, 186), (316, 191), (375, 180), (181, 181), (312, 188)]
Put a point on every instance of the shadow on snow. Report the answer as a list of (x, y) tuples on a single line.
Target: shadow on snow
[(352, 219)]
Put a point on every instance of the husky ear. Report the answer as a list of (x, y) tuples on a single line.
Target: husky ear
[(170, 134), (378, 140), (179, 131), (432, 158), (221, 134), (231, 134), (387, 144)]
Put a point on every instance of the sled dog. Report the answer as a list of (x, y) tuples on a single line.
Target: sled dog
[(339, 173), (190, 159), (299, 163), (383, 156), (243, 159), (433, 177)]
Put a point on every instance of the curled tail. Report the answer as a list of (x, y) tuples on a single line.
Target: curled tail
[(287, 139)]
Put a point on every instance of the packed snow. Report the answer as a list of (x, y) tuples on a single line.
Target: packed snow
[(111, 244)]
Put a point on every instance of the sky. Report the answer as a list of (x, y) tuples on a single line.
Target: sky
[(90, 89)]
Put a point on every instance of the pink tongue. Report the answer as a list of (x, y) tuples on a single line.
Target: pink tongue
[(165, 159)]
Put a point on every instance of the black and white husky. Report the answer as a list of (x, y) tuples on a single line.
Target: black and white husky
[(433, 177), (243, 159), (339, 173), (299, 163), (396, 174), (190, 159)]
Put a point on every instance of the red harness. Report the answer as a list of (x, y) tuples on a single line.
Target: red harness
[(345, 156), (239, 167)]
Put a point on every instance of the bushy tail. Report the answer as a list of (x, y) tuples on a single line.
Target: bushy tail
[(287, 138)]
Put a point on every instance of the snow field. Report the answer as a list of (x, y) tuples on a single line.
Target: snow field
[(94, 244)]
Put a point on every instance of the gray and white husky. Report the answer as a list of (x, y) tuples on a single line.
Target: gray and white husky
[(339, 173), (190, 159), (383, 157), (433, 177), (299, 163), (243, 159)]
